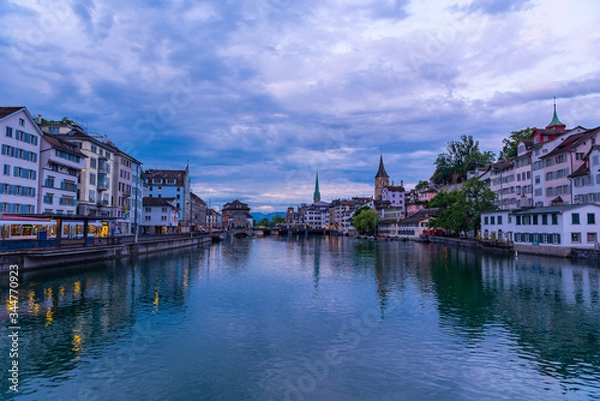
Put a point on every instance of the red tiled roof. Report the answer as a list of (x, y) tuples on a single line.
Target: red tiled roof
[(7, 111)]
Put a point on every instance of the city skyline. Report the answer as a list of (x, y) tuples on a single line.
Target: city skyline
[(258, 96)]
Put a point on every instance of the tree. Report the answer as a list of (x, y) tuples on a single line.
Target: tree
[(510, 144), (264, 222), (461, 209), (422, 184), (365, 220), (461, 156), (276, 220)]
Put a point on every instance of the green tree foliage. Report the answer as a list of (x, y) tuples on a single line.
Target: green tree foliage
[(365, 220), (461, 156), (461, 209), (276, 220), (265, 222), (510, 144), (422, 184)]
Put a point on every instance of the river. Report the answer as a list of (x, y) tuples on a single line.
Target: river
[(308, 319)]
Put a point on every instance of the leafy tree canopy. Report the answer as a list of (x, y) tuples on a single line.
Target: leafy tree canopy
[(461, 209), (422, 184), (461, 156), (510, 144), (365, 220)]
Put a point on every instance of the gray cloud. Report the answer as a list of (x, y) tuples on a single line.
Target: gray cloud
[(258, 95)]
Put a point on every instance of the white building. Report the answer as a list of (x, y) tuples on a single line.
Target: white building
[(395, 195), (20, 139), (61, 165), (160, 215), (551, 230), (317, 215)]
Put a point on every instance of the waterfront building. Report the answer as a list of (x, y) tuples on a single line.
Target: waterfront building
[(548, 230), (586, 179), (95, 189), (160, 215), (236, 214), (172, 184), (126, 178), (198, 212), (20, 139), (213, 219), (61, 163), (413, 227), (138, 192), (340, 216), (317, 215)]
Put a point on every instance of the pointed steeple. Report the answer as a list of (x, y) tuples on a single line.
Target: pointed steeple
[(381, 173), (555, 123), (317, 194)]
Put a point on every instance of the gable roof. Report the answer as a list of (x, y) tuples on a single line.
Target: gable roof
[(7, 111)]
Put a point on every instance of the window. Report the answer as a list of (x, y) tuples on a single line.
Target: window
[(555, 219), (499, 220), (485, 220), (49, 182), (576, 238), (591, 238), (163, 218), (574, 218), (94, 149), (591, 218), (518, 220), (9, 133), (93, 162), (579, 155), (545, 219), (147, 218), (535, 219), (7, 169), (492, 220), (21, 122), (164, 210), (148, 210), (92, 179)]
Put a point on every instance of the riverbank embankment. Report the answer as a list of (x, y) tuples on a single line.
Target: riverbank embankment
[(112, 248)]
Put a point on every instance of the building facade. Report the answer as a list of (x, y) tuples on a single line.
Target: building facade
[(172, 184), (61, 163), (21, 140)]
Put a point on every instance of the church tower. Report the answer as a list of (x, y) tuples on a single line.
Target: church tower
[(382, 179), (556, 124), (317, 194)]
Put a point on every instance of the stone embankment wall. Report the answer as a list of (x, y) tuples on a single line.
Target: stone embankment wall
[(41, 258)]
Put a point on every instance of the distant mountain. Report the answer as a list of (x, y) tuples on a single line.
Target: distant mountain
[(258, 215)]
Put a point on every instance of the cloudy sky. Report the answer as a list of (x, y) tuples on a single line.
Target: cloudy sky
[(259, 94)]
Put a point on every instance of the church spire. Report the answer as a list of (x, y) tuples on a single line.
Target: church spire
[(555, 123), (317, 194), (381, 173)]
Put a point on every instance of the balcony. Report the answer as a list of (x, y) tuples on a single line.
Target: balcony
[(103, 183)]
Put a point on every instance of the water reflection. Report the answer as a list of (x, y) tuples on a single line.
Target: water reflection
[(451, 323)]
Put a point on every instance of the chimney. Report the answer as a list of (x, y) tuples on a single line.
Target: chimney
[(401, 183), (38, 119)]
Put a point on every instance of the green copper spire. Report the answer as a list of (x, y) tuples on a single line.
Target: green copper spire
[(555, 121), (317, 194)]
